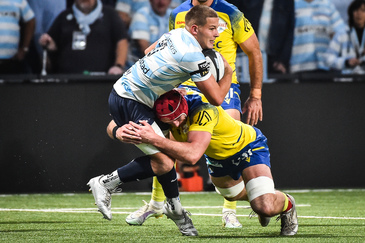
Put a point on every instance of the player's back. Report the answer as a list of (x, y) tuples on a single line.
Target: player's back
[(176, 57)]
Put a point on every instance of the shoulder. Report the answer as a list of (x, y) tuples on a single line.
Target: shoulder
[(144, 10), (185, 6), (66, 14), (108, 10), (225, 7), (203, 115)]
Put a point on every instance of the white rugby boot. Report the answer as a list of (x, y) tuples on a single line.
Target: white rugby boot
[(143, 213), (180, 217), (230, 220), (289, 220), (102, 197)]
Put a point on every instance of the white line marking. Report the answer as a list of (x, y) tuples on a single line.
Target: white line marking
[(94, 210)]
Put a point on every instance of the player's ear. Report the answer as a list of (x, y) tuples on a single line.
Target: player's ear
[(194, 29)]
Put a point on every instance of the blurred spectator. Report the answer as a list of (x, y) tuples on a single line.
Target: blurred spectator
[(346, 52), (273, 22), (88, 37), (45, 12), (110, 3), (316, 22), (17, 25), (148, 25), (127, 8), (342, 6)]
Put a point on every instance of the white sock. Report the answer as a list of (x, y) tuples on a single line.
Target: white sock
[(111, 181), (157, 205), (225, 210)]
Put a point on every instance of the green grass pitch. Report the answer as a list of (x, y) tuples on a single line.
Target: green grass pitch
[(323, 215)]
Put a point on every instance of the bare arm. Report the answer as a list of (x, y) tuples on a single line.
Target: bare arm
[(150, 48), (253, 105), (125, 17), (120, 57), (214, 91), (143, 45), (27, 35), (188, 152)]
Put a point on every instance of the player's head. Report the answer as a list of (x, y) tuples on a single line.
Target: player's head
[(171, 108), (202, 22)]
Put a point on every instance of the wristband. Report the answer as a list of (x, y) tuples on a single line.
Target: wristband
[(115, 132)]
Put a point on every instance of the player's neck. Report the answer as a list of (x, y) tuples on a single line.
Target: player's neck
[(202, 2)]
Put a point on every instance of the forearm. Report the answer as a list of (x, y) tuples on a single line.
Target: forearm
[(27, 33), (256, 70), (182, 151), (121, 52)]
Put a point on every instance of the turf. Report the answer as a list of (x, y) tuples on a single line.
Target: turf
[(324, 216)]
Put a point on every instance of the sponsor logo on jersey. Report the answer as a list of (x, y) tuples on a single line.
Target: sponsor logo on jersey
[(203, 68), (222, 25)]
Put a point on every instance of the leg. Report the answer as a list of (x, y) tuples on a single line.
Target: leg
[(229, 218), (268, 202)]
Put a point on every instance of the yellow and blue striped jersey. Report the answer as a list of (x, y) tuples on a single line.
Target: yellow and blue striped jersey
[(229, 136), (234, 29)]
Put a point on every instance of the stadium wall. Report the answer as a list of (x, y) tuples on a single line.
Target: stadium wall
[(52, 136)]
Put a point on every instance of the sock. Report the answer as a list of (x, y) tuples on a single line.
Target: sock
[(174, 204), (138, 169), (169, 183), (229, 206), (287, 205), (157, 192), (111, 181), (157, 205)]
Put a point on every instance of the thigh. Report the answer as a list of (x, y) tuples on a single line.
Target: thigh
[(256, 171)]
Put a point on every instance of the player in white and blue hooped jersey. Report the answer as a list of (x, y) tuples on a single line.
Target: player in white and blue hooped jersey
[(176, 57), (173, 59), (11, 14)]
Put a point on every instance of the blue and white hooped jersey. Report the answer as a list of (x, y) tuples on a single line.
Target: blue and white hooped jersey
[(176, 58), (11, 13)]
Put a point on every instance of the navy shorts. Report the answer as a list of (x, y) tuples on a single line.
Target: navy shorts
[(123, 110), (256, 152)]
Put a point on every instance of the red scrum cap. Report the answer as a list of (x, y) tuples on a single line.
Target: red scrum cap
[(170, 105)]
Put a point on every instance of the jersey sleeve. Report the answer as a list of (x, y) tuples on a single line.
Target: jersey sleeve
[(204, 118), (242, 28), (198, 68)]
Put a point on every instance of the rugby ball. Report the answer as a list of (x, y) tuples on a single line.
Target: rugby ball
[(215, 62)]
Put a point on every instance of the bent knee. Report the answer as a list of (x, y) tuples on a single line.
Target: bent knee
[(264, 205)]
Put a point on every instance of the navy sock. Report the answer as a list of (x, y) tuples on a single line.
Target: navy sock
[(169, 183), (138, 169)]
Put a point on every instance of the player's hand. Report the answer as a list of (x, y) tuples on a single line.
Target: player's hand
[(127, 134), (140, 133), (253, 107), (227, 67)]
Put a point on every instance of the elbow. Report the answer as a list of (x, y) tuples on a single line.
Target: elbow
[(193, 159), (217, 101)]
